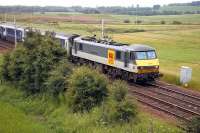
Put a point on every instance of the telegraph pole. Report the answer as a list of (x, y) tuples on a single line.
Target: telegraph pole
[(5, 17), (31, 16), (15, 32), (102, 28)]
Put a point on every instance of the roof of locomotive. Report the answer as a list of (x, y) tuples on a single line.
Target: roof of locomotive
[(140, 47), (125, 47)]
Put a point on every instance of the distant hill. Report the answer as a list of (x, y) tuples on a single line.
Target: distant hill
[(171, 9), (181, 8), (185, 8), (194, 3)]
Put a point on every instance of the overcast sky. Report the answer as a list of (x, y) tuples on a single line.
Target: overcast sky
[(89, 3)]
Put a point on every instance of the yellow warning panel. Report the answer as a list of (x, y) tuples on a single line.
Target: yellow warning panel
[(111, 57)]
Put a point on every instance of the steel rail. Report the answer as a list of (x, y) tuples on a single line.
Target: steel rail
[(175, 91)]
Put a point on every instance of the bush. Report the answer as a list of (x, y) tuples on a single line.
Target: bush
[(118, 112), (163, 22), (127, 21), (5, 71), (138, 21), (177, 22), (194, 125), (88, 89), (125, 112), (117, 108), (13, 65), (111, 30), (119, 89), (58, 79)]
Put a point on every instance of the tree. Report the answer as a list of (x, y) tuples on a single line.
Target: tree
[(156, 7), (125, 112), (88, 88), (118, 109), (30, 63), (119, 89), (119, 112), (163, 22), (58, 79), (127, 21), (176, 22)]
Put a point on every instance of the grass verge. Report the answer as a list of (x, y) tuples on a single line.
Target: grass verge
[(20, 114)]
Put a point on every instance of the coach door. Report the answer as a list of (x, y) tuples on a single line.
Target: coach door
[(19, 35)]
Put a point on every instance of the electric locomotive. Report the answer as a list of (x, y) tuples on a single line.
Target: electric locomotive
[(135, 62)]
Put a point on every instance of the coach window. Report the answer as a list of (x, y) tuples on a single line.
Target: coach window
[(62, 42), (80, 46), (118, 55)]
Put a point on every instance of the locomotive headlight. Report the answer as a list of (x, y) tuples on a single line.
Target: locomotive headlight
[(156, 67)]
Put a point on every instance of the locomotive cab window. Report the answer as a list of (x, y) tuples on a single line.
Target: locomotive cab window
[(118, 55), (151, 54), (146, 55)]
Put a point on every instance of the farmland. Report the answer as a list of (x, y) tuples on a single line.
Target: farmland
[(177, 45)]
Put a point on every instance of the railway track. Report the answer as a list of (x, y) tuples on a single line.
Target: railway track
[(5, 45), (169, 99)]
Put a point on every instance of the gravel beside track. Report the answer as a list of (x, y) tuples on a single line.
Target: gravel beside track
[(5, 46)]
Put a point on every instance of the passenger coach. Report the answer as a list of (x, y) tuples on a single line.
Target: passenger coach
[(7, 32)]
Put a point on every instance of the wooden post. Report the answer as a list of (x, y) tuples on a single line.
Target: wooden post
[(15, 32), (102, 28)]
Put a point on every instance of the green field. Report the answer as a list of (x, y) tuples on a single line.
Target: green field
[(41, 114), (95, 18), (13, 120)]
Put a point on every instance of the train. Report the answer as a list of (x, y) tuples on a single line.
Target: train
[(8, 31), (135, 62)]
